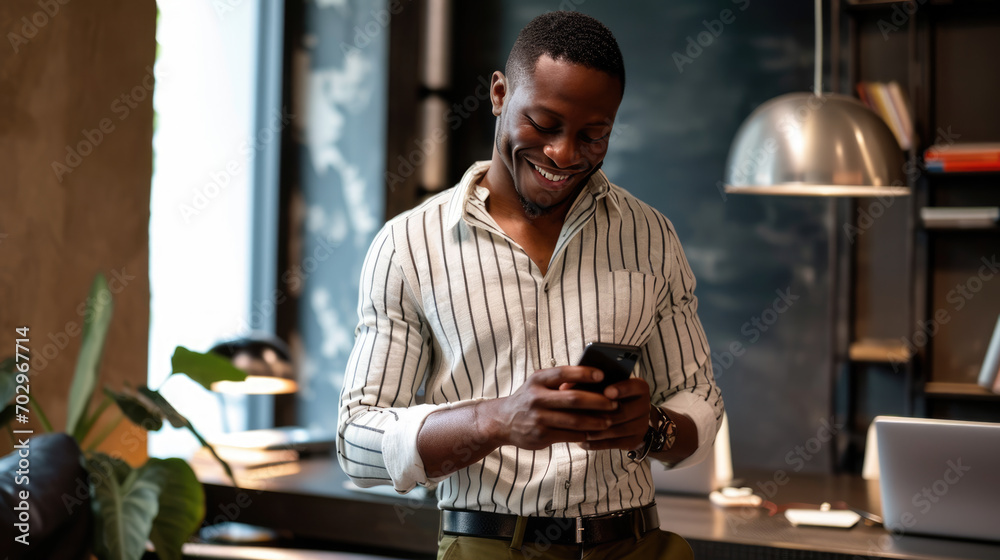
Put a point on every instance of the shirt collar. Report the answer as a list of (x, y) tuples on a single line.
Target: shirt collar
[(468, 189)]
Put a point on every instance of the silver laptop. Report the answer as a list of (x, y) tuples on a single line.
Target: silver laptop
[(940, 477)]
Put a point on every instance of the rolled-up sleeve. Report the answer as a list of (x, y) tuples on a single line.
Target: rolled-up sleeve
[(677, 357), (380, 415)]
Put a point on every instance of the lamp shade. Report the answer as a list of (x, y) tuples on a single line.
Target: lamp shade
[(815, 145), (266, 362)]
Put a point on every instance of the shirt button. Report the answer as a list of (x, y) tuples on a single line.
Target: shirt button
[(552, 363)]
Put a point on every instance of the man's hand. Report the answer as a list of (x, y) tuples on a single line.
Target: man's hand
[(629, 422), (543, 411), (539, 414)]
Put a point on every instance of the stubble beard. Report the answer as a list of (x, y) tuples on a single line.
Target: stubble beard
[(532, 210)]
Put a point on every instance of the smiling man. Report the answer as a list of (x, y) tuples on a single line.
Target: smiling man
[(475, 306)]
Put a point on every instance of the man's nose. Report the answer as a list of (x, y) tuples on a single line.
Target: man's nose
[(564, 151)]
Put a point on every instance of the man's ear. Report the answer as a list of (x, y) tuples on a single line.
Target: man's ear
[(498, 92)]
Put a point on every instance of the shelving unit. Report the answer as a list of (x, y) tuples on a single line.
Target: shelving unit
[(922, 309)]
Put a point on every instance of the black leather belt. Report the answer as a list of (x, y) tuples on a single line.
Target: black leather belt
[(552, 530)]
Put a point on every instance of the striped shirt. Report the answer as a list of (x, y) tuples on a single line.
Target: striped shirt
[(452, 310)]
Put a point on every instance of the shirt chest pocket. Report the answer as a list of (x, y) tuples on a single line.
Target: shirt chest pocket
[(627, 311)]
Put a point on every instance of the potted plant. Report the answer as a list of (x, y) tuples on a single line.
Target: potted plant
[(160, 501)]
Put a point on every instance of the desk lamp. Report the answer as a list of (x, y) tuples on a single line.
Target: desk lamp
[(267, 363), (817, 144)]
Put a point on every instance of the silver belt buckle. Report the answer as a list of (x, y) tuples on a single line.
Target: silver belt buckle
[(579, 530)]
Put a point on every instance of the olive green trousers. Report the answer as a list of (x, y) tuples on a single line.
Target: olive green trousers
[(654, 545)]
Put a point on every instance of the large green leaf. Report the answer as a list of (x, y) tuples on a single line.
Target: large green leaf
[(137, 409), (126, 502), (95, 328), (165, 409), (182, 506), (204, 368)]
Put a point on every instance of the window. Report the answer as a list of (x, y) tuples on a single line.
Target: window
[(210, 146)]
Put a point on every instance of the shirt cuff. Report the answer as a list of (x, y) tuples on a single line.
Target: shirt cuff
[(399, 446), (702, 414)]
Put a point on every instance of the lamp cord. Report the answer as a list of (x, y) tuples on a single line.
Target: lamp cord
[(818, 67)]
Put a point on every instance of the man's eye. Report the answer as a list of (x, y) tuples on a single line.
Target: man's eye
[(540, 128), (595, 140)]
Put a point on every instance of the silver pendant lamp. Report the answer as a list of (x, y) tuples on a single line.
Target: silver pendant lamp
[(815, 144)]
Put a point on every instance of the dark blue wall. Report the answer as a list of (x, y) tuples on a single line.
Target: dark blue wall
[(673, 133)]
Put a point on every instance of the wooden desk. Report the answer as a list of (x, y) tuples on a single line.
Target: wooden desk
[(314, 503)]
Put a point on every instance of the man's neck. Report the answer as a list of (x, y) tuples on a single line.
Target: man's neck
[(536, 234)]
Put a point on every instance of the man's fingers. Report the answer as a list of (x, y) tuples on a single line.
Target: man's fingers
[(632, 428), (629, 388), (554, 377), (543, 428), (575, 400), (577, 422)]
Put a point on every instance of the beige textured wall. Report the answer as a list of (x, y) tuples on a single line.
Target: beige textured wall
[(68, 69)]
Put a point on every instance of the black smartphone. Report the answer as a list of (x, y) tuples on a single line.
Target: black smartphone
[(616, 361)]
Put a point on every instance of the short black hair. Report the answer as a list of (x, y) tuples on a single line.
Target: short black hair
[(569, 36)]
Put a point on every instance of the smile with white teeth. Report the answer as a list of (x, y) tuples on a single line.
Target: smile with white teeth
[(549, 176)]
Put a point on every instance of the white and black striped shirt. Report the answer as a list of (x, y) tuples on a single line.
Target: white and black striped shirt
[(452, 310)]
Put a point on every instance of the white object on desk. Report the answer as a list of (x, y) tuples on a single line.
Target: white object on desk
[(838, 518), (735, 497)]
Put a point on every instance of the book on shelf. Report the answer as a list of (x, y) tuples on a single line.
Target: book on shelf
[(965, 157), (989, 374), (960, 217), (889, 102)]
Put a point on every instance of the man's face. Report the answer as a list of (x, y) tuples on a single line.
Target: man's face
[(553, 130)]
